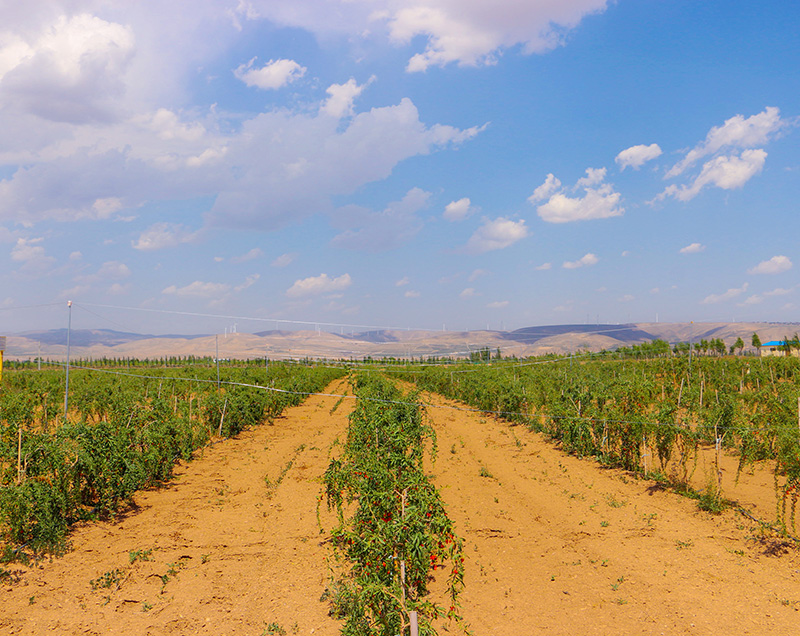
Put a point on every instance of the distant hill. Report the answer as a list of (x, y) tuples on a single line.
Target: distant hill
[(276, 344), (622, 333), (91, 337)]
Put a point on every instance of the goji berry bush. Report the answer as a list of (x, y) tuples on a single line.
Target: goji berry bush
[(393, 529)]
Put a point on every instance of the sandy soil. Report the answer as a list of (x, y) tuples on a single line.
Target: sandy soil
[(554, 545)]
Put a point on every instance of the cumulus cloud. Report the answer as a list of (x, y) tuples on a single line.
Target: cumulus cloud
[(473, 32), (550, 186), (585, 261), (498, 304), (315, 285), (728, 295), (412, 294), (496, 234), (594, 176), (198, 289), (402, 282), (248, 282), (726, 172), (636, 156), (32, 255), (458, 210), (111, 270), (273, 75), (376, 232), (736, 132), (775, 265), (283, 260), (160, 236), (778, 291), (341, 98), (253, 254), (69, 71), (692, 248), (599, 201), (544, 267), (469, 292), (312, 159)]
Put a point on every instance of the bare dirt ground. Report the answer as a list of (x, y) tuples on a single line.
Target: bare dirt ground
[(554, 545)]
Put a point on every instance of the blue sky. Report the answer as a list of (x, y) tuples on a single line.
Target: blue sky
[(398, 163)]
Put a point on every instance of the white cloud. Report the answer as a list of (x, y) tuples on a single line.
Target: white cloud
[(117, 289), (726, 172), (253, 254), (476, 274), (775, 265), (32, 255), (75, 256), (248, 282), (402, 282), (163, 235), (586, 260), (636, 156), (594, 176), (273, 75), (376, 232), (550, 186), (111, 270), (736, 132), (312, 159), (779, 291), (105, 208), (499, 304), (496, 234), (755, 299), (198, 289), (283, 260), (692, 248), (167, 126), (458, 210), (627, 298), (27, 250), (544, 267), (341, 98), (474, 32), (469, 292), (70, 70), (315, 285), (412, 294), (600, 201), (728, 295)]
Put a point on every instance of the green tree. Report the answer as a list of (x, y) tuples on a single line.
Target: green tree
[(756, 342), (739, 344)]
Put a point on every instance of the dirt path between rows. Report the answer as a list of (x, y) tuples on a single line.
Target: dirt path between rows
[(230, 554), (560, 545), (554, 545)]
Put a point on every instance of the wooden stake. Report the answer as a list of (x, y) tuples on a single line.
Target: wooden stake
[(680, 392), (414, 625), (222, 417), (19, 453)]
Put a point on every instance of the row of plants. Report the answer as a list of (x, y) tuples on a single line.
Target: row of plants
[(648, 415), (392, 528), (122, 433)]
